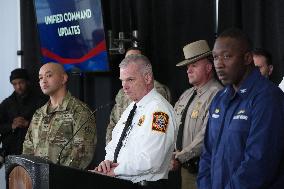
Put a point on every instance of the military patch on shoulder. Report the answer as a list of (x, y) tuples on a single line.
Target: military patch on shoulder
[(160, 121), (141, 120)]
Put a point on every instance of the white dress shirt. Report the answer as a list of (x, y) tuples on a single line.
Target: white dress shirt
[(147, 148)]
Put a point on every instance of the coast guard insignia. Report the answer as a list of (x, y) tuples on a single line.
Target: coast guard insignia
[(160, 121)]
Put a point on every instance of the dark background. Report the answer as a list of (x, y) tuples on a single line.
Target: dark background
[(164, 27)]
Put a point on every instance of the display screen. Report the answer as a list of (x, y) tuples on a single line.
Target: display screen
[(71, 33)]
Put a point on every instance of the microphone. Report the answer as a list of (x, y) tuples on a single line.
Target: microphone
[(2, 159), (83, 124), (2, 153)]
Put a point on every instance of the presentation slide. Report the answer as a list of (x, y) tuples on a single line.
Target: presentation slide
[(71, 32)]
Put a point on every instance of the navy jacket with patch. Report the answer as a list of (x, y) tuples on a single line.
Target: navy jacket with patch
[(244, 140)]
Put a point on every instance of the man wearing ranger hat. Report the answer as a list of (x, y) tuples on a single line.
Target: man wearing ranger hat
[(192, 110)]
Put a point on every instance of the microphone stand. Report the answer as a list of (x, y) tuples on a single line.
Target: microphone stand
[(90, 116)]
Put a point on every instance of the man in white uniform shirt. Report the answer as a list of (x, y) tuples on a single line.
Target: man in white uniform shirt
[(145, 153)]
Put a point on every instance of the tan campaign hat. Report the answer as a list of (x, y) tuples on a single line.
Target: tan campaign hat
[(194, 52)]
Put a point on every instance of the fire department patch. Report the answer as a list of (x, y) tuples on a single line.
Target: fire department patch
[(141, 120), (160, 121)]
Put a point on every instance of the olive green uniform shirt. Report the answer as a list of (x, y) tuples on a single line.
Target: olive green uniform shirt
[(50, 130)]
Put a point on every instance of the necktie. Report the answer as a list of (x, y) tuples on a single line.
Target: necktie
[(123, 134), (181, 126)]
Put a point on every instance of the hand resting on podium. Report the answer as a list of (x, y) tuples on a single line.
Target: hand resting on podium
[(106, 167)]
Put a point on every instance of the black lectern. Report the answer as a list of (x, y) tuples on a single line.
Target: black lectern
[(29, 172)]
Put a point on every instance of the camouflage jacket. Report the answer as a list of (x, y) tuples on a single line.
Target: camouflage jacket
[(122, 102), (50, 131)]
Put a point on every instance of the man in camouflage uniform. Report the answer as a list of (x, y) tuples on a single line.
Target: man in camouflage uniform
[(192, 110), (55, 123), (121, 100)]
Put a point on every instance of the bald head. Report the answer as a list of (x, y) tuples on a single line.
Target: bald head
[(55, 67), (52, 78), (133, 50)]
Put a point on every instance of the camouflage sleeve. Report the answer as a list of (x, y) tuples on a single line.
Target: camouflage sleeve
[(84, 142), (112, 122), (163, 90), (28, 146), (121, 103)]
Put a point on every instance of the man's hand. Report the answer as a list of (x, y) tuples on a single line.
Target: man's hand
[(177, 153), (175, 165), (20, 122), (111, 172), (106, 167)]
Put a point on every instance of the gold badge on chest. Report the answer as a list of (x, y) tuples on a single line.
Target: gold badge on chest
[(195, 111), (141, 120)]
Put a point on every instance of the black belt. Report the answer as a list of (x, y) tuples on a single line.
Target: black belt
[(157, 183)]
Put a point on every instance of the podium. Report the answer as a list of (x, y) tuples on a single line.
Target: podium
[(30, 172)]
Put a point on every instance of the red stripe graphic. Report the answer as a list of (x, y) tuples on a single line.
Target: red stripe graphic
[(98, 49)]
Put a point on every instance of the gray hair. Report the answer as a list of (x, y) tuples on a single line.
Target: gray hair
[(140, 60)]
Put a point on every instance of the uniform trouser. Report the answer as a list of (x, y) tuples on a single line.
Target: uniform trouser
[(188, 179), (174, 180)]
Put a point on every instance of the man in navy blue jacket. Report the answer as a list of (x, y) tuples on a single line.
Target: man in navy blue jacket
[(243, 146)]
